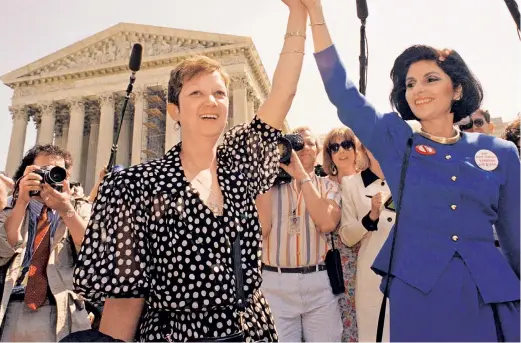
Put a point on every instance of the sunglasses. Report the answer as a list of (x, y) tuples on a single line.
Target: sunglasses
[(476, 122), (346, 145)]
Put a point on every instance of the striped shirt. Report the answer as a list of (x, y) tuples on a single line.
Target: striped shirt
[(300, 244)]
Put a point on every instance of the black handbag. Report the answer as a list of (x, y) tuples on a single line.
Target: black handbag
[(334, 269)]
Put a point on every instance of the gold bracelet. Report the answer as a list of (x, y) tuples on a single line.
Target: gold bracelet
[(292, 52), (295, 34), (316, 24)]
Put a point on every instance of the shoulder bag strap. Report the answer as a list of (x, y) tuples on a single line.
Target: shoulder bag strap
[(239, 279), (383, 307)]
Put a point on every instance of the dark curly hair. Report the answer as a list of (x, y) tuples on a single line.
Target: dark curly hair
[(512, 132), (452, 64)]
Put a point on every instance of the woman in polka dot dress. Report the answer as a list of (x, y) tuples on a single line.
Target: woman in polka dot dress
[(158, 248)]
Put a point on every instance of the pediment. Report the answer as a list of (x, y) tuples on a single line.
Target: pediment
[(112, 47)]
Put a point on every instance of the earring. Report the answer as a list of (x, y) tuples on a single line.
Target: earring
[(177, 126), (334, 170)]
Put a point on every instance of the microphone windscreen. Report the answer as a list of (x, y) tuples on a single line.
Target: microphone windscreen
[(361, 9), (135, 57)]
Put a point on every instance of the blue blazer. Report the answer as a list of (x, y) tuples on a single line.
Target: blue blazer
[(450, 204)]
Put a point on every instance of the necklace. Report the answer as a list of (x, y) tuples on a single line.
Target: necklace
[(442, 140), (215, 207), (214, 204)]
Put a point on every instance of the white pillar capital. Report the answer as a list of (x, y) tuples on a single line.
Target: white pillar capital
[(19, 113)]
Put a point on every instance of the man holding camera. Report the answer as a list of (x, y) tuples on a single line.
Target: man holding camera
[(295, 219), (40, 233)]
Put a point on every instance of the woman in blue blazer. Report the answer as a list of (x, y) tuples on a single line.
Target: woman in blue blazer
[(448, 280)]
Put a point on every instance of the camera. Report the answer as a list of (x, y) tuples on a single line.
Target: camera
[(286, 145), (51, 175)]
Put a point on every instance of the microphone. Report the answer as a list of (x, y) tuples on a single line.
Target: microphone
[(134, 64), (361, 9), (135, 57)]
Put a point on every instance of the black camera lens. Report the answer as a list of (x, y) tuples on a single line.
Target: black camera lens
[(56, 175)]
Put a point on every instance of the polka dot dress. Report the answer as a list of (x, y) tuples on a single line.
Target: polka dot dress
[(150, 236)]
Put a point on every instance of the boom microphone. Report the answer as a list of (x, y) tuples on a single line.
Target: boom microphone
[(361, 9), (134, 65)]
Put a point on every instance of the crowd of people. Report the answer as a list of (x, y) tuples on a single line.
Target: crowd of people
[(396, 241)]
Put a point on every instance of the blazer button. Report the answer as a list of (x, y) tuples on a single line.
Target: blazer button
[(455, 238), (448, 157), (389, 219), (454, 178), (454, 207)]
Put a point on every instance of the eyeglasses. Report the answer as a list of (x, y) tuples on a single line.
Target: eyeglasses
[(476, 122), (346, 145)]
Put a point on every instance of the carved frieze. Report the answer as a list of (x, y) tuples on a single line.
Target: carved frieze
[(41, 89), (118, 48)]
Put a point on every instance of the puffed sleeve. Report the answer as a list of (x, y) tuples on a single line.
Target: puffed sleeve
[(353, 211), (508, 225), (252, 149), (113, 260)]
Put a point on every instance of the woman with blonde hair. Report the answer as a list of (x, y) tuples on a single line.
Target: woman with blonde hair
[(342, 160)]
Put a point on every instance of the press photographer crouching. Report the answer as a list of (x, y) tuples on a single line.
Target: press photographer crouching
[(295, 219), (40, 233)]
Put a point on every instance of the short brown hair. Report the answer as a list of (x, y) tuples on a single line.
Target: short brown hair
[(343, 132), (187, 70)]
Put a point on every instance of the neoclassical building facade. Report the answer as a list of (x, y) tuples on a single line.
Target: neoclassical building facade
[(74, 96)]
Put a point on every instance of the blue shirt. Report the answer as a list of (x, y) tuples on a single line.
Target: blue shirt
[(450, 204)]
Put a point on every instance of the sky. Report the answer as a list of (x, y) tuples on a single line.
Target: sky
[(482, 31)]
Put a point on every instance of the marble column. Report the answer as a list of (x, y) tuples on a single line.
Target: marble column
[(240, 99), (85, 148), (106, 130), (75, 135), (17, 141), (91, 174), (62, 128), (124, 144), (37, 119), (48, 117), (137, 127)]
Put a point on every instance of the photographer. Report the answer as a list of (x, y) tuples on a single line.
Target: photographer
[(39, 232), (295, 219)]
